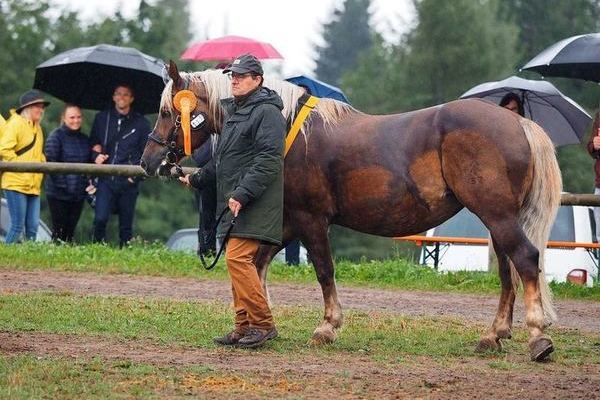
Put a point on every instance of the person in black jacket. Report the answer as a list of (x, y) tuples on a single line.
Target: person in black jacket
[(66, 193), (118, 137), (247, 168)]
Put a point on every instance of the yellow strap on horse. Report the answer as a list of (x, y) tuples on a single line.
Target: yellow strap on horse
[(300, 118), (185, 101)]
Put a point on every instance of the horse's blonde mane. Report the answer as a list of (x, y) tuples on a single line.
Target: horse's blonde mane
[(218, 87)]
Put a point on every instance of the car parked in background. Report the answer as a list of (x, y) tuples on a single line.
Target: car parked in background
[(187, 240), (572, 224), (43, 234)]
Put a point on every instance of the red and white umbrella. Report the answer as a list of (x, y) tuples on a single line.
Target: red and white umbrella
[(227, 48)]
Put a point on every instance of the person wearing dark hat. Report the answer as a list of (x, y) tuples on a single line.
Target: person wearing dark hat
[(118, 136), (248, 170), (23, 140)]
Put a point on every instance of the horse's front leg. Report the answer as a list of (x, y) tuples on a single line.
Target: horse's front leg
[(314, 237)]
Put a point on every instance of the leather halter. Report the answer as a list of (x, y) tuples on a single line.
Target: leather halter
[(173, 151)]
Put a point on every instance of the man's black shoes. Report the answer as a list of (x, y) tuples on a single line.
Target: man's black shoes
[(256, 337), (230, 339), (252, 339)]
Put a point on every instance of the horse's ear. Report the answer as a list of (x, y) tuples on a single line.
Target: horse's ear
[(174, 74)]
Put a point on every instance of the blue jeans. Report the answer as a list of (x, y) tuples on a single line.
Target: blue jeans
[(24, 210), (119, 197)]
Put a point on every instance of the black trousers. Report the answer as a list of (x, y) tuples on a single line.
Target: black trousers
[(207, 209), (65, 215)]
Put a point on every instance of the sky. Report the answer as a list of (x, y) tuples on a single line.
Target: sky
[(293, 28)]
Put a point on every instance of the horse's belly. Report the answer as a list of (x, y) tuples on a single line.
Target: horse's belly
[(384, 201)]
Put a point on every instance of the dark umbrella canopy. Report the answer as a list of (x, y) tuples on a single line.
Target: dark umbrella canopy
[(574, 57), (318, 88), (87, 76), (563, 119)]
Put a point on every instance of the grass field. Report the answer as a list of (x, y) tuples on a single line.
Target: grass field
[(156, 260), (385, 339), (63, 344)]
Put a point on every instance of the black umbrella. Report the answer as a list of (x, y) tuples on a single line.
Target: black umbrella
[(87, 76), (574, 57), (563, 119)]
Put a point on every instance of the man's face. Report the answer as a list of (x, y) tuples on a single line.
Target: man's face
[(242, 84), (123, 98)]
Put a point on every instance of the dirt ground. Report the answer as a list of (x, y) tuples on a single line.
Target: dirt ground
[(253, 375)]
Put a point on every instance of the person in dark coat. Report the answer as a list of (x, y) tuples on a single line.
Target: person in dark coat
[(206, 199), (248, 169), (118, 137), (593, 148), (66, 193)]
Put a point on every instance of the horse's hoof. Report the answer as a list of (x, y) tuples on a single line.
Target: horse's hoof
[(487, 344), (540, 348), (323, 336)]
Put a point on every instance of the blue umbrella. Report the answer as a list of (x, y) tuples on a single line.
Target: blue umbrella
[(318, 88), (563, 119)]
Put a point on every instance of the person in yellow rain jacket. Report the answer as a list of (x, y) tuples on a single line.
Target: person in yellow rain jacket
[(22, 140)]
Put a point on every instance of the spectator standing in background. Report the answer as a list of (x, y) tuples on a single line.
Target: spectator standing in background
[(593, 147), (118, 137), (66, 192), (22, 140)]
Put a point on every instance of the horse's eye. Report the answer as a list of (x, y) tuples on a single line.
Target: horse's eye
[(165, 114)]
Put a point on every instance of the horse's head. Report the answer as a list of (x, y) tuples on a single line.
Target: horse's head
[(185, 121)]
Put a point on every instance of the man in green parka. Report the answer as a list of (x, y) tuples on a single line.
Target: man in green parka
[(248, 168)]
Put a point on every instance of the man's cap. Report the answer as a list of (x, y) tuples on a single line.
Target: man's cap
[(30, 98), (244, 64)]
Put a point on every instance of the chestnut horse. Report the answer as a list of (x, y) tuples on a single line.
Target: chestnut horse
[(397, 175)]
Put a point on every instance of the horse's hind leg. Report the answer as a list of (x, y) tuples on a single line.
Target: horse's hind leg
[(502, 326), (263, 258), (511, 239)]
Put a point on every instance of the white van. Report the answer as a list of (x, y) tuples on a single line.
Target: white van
[(572, 224)]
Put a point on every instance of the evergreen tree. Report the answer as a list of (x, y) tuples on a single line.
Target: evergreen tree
[(455, 46), (162, 29), (23, 34), (345, 37), (376, 83)]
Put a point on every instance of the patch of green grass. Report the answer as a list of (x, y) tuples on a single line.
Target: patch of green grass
[(27, 377), (156, 260), (381, 336)]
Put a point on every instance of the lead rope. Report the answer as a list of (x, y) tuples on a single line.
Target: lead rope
[(179, 172)]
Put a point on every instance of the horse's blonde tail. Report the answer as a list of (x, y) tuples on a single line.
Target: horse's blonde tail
[(541, 204)]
